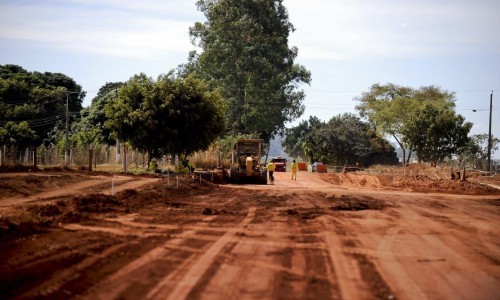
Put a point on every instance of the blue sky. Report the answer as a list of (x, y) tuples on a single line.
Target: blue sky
[(348, 45)]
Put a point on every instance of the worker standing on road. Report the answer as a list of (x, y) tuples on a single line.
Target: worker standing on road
[(153, 165), (295, 168), (270, 169)]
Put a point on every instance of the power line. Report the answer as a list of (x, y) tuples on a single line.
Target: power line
[(41, 121)]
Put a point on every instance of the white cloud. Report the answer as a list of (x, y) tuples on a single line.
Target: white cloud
[(358, 28), (135, 29), (326, 29), (174, 8)]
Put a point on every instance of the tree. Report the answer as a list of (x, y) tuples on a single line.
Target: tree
[(88, 135), (343, 140), (302, 139), (382, 152), (246, 54), (195, 116), (39, 99), (17, 135), (292, 143), (476, 150), (95, 113), (347, 140), (436, 133), (389, 107), (172, 115)]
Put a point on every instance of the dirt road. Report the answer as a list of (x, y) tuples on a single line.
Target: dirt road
[(304, 239)]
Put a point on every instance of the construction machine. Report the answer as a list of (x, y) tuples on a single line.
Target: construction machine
[(246, 166)]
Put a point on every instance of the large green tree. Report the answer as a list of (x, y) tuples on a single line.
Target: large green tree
[(171, 115), (346, 140), (389, 108), (343, 140), (246, 54), (16, 135), (436, 133), (38, 99)]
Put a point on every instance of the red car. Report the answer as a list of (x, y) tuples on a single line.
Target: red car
[(280, 164)]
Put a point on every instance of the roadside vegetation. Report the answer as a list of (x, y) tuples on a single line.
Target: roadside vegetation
[(243, 83)]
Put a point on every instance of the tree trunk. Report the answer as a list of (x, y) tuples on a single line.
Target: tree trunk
[(402, 148), (118, 156), (90, 158), (124, 159), (35, 158), (136, 157), (241, 101), (409, 156)]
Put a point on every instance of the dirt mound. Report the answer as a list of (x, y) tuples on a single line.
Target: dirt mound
[(26, 220), (95, 203), (421, 183), (32, 184), (356, 180), (426, 185)]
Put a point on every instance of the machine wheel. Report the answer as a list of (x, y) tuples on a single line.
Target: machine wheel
[(233, 174), (263, 177)]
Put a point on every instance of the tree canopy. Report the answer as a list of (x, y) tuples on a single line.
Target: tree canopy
[(343, 140), (436, 133), (39, 99), (390, 107), (246, 54), (17, 135), (95, 115), (171, 115)]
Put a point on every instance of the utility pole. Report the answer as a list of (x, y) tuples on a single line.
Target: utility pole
[(489, 135), (66, 150)]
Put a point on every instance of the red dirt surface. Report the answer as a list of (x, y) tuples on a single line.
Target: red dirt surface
[(324, 236)]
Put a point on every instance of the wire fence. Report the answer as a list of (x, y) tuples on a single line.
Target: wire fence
[(112, 158), (106, 158)]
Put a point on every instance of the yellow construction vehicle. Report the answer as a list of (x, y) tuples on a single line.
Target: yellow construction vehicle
[(247, 166)]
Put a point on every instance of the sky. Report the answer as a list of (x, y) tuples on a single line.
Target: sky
[(348, 45)]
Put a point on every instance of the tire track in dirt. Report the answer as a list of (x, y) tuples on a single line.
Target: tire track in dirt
[(387, 258), (476, 283), (406, 287), (355, 274), (433, 265), (346, 270), (357, 268), (115, 285), (57, 280), (199, 267)]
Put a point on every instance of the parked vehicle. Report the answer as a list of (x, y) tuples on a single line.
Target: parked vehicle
[(279, 163)]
